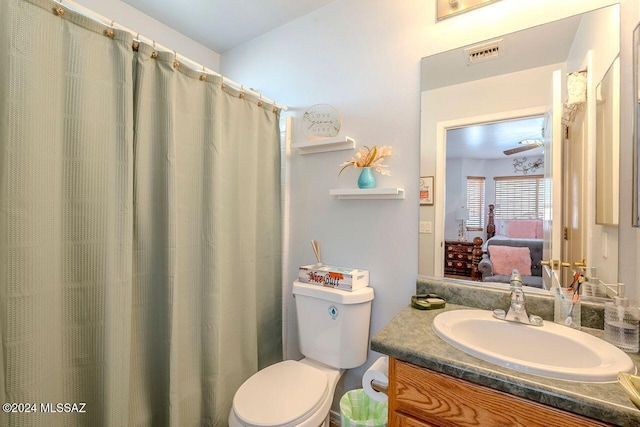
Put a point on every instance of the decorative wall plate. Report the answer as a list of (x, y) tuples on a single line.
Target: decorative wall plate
[(321, 121)]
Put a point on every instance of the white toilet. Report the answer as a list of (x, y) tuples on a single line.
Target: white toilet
[(333, 329)]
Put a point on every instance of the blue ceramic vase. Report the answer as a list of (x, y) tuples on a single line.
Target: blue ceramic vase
[(366, 178)]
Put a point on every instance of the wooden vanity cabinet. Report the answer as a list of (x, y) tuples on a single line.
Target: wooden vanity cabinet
[(419, 397)]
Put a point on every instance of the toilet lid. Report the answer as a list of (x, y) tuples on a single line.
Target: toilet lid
[(280, 394)]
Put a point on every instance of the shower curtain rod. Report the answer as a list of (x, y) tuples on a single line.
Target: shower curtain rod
[(105, 21)]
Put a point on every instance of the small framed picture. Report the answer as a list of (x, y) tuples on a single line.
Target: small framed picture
[(426, 190)]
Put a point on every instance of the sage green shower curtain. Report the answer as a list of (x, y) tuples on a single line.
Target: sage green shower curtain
[(140, 250)]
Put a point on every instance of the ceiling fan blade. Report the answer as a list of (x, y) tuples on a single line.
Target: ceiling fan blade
[(522, 148)]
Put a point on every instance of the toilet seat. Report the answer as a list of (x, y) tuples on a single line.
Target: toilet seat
[(283, 394)]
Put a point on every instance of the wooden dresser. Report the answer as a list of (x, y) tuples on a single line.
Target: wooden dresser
[(458, 258), (462, 258)]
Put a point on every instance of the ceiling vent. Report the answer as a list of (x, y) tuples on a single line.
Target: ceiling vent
[(484, 52)]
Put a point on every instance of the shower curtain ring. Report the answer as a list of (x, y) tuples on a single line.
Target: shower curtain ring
[(136, 43), (109, 31), (260, 103), (203, 76), (241, 96), (176, 64), (154, 54), (58, 10)]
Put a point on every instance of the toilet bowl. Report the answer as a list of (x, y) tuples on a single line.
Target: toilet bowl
[(287, 394), (333, 330)]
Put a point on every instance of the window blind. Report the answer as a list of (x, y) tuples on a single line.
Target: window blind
[(519, 197), (475, 202)]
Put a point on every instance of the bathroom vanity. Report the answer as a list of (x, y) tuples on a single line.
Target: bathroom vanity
[(431, 383), (422, 397)]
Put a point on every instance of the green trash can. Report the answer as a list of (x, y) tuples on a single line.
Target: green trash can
[(358, 409)]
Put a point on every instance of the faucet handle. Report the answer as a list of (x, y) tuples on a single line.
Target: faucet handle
[(536, 320)]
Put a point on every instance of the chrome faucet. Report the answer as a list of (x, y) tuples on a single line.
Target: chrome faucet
[(517, 311)]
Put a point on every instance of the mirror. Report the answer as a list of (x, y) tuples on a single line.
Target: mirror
[(608, 146), (510, 80)]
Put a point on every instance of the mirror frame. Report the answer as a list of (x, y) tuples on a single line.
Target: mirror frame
[(635, 122)]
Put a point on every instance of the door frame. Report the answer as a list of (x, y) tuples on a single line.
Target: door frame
[(441, 165)]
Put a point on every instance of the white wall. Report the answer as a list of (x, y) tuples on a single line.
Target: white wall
[(456, 197), (363, 57), (149, 28)]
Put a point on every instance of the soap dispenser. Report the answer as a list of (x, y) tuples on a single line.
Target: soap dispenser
[(621, 323)]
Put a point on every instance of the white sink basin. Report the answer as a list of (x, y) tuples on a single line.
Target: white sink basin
[(550, 350)]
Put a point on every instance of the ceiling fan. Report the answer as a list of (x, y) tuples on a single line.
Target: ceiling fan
[(530, 143), (526, 144)]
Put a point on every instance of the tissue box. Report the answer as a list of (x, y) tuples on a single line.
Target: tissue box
[(348, 279)]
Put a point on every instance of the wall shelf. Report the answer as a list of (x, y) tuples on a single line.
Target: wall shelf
[(325, 145), (368, 193)]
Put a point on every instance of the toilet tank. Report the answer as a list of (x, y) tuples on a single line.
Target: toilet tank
[(333, 325)]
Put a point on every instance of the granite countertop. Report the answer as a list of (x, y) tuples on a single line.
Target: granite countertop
[(409, 337)]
